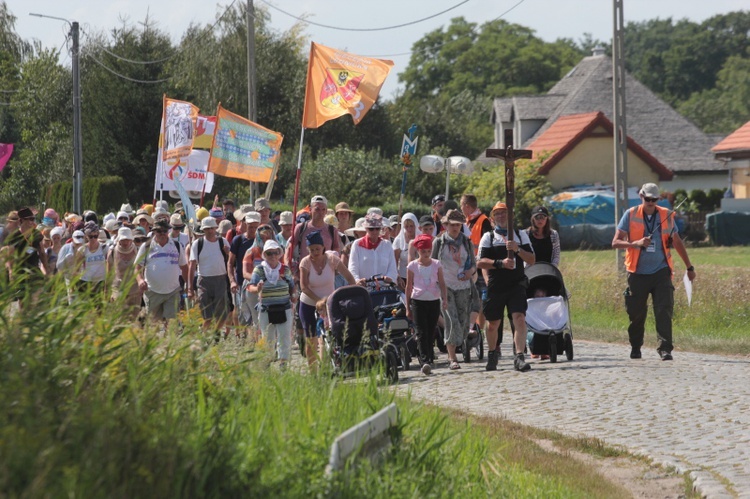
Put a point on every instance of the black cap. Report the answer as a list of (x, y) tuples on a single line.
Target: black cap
[(438, 198), (539, 209), (426, 219), (162, 224)]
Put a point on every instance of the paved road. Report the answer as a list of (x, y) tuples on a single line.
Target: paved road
[(692, 413)]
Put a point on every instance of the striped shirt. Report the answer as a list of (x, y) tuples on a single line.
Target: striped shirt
[(273, 294)]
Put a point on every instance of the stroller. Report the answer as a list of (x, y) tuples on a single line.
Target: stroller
[(353, 342), (548, 316), (390, 310)]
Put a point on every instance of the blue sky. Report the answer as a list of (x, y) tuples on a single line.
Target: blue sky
[(551, 19)]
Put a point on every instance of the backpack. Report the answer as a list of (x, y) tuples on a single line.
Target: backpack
[(298, 243), (440, 242), (223, 249)]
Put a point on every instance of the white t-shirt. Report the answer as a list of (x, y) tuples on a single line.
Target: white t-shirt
[(162, 267), (211, 262), (94, 266), (183, 238)]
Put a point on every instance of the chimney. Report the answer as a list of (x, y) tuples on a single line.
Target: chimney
[(597, 51)]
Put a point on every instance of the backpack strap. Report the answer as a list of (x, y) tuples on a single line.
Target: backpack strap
[(222, 246)]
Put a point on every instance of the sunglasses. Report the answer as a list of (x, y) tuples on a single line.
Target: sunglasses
[(140, 239), (540, 216), (373, 229), (160, 231), (93, 236), (650, 200)]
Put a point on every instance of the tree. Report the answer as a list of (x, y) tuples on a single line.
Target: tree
[(727, 107), (121, 118)]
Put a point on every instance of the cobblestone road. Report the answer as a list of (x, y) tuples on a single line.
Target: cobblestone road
[(692, 413)]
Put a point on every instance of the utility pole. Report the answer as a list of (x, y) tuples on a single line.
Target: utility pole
[(619, 135), (77, 147), (251, 109)]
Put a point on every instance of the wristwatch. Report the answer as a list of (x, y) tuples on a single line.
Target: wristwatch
[(691, 269)]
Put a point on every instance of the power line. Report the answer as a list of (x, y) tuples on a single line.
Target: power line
[(445, 43), (134, 80), (164, 59), (364, 29)]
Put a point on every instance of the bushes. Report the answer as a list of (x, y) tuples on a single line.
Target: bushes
[(100, 194)]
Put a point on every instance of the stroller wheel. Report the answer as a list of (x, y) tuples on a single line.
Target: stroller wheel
[(480, 346), (569, 346), (391, 365), (553, 348), (439, 341), (466, 350), (405, 357)]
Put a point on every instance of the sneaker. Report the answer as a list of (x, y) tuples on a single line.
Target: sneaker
[(665, 355), (492, 360), (635, 353), (426, 369), (520, 363)]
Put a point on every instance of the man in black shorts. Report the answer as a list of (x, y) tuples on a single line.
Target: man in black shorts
[(506, 283)]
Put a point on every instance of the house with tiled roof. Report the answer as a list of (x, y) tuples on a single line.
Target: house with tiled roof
[(735, 152), (571, 126)]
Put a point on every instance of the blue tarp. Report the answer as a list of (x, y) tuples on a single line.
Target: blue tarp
[(595, 207)]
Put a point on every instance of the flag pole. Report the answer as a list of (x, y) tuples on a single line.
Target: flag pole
[(296, 190)]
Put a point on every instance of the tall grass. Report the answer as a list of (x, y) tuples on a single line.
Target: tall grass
[(718, 320), (95, 407)]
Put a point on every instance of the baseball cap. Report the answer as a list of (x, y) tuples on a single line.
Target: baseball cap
[(426, 220), (438, 198), (78, 236), (318, 199), (252, 217), (650, 191)]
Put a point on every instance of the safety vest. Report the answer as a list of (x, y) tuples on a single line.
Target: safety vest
[(637, 230), (476, 231)]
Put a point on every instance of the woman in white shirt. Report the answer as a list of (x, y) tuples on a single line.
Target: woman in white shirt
[(371, 255)]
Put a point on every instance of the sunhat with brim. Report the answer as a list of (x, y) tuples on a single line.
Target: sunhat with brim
[(373, 221), (498, 206), (343, 207), (103, 236), (124, 233), (176, 221), (394, 220), (358, 229), (650, 191), (252, 217), (72, 218), (262, 204), (126, 208), (137, 220), (271, 245), (331, 220), (453, 217), (12, 217), (374, 209), (111, 225), (225, 226), (160, 212), (422, 241), (286, 218), (122, 214), (79, 236), (209, 223), (57, 231), (24, 213), (162, 203)]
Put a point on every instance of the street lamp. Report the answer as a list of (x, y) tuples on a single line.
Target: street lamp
[(458, 165)]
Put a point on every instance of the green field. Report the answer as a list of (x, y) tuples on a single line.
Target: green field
[(94, 407), (717, 321)]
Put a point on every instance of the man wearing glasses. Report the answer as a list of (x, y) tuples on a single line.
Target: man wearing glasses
[(159, 266), (647, 232)]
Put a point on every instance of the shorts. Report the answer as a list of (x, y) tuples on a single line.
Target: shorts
[(213, 296), (162, 306), (514, 299), (308, 319)]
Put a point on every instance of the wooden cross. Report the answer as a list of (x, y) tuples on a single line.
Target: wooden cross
[(509, 156)]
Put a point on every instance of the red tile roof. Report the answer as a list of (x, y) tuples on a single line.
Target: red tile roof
[(568, 131), (737, 140)]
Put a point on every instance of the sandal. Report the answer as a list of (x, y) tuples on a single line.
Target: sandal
[(455, 365), (545, 357)]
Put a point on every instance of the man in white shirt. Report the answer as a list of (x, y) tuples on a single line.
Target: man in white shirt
[(159, 265), (208, 260)]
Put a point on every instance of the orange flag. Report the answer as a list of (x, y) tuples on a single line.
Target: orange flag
[(339, 83)]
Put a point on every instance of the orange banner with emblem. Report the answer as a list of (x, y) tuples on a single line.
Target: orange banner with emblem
[(340, 83)]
